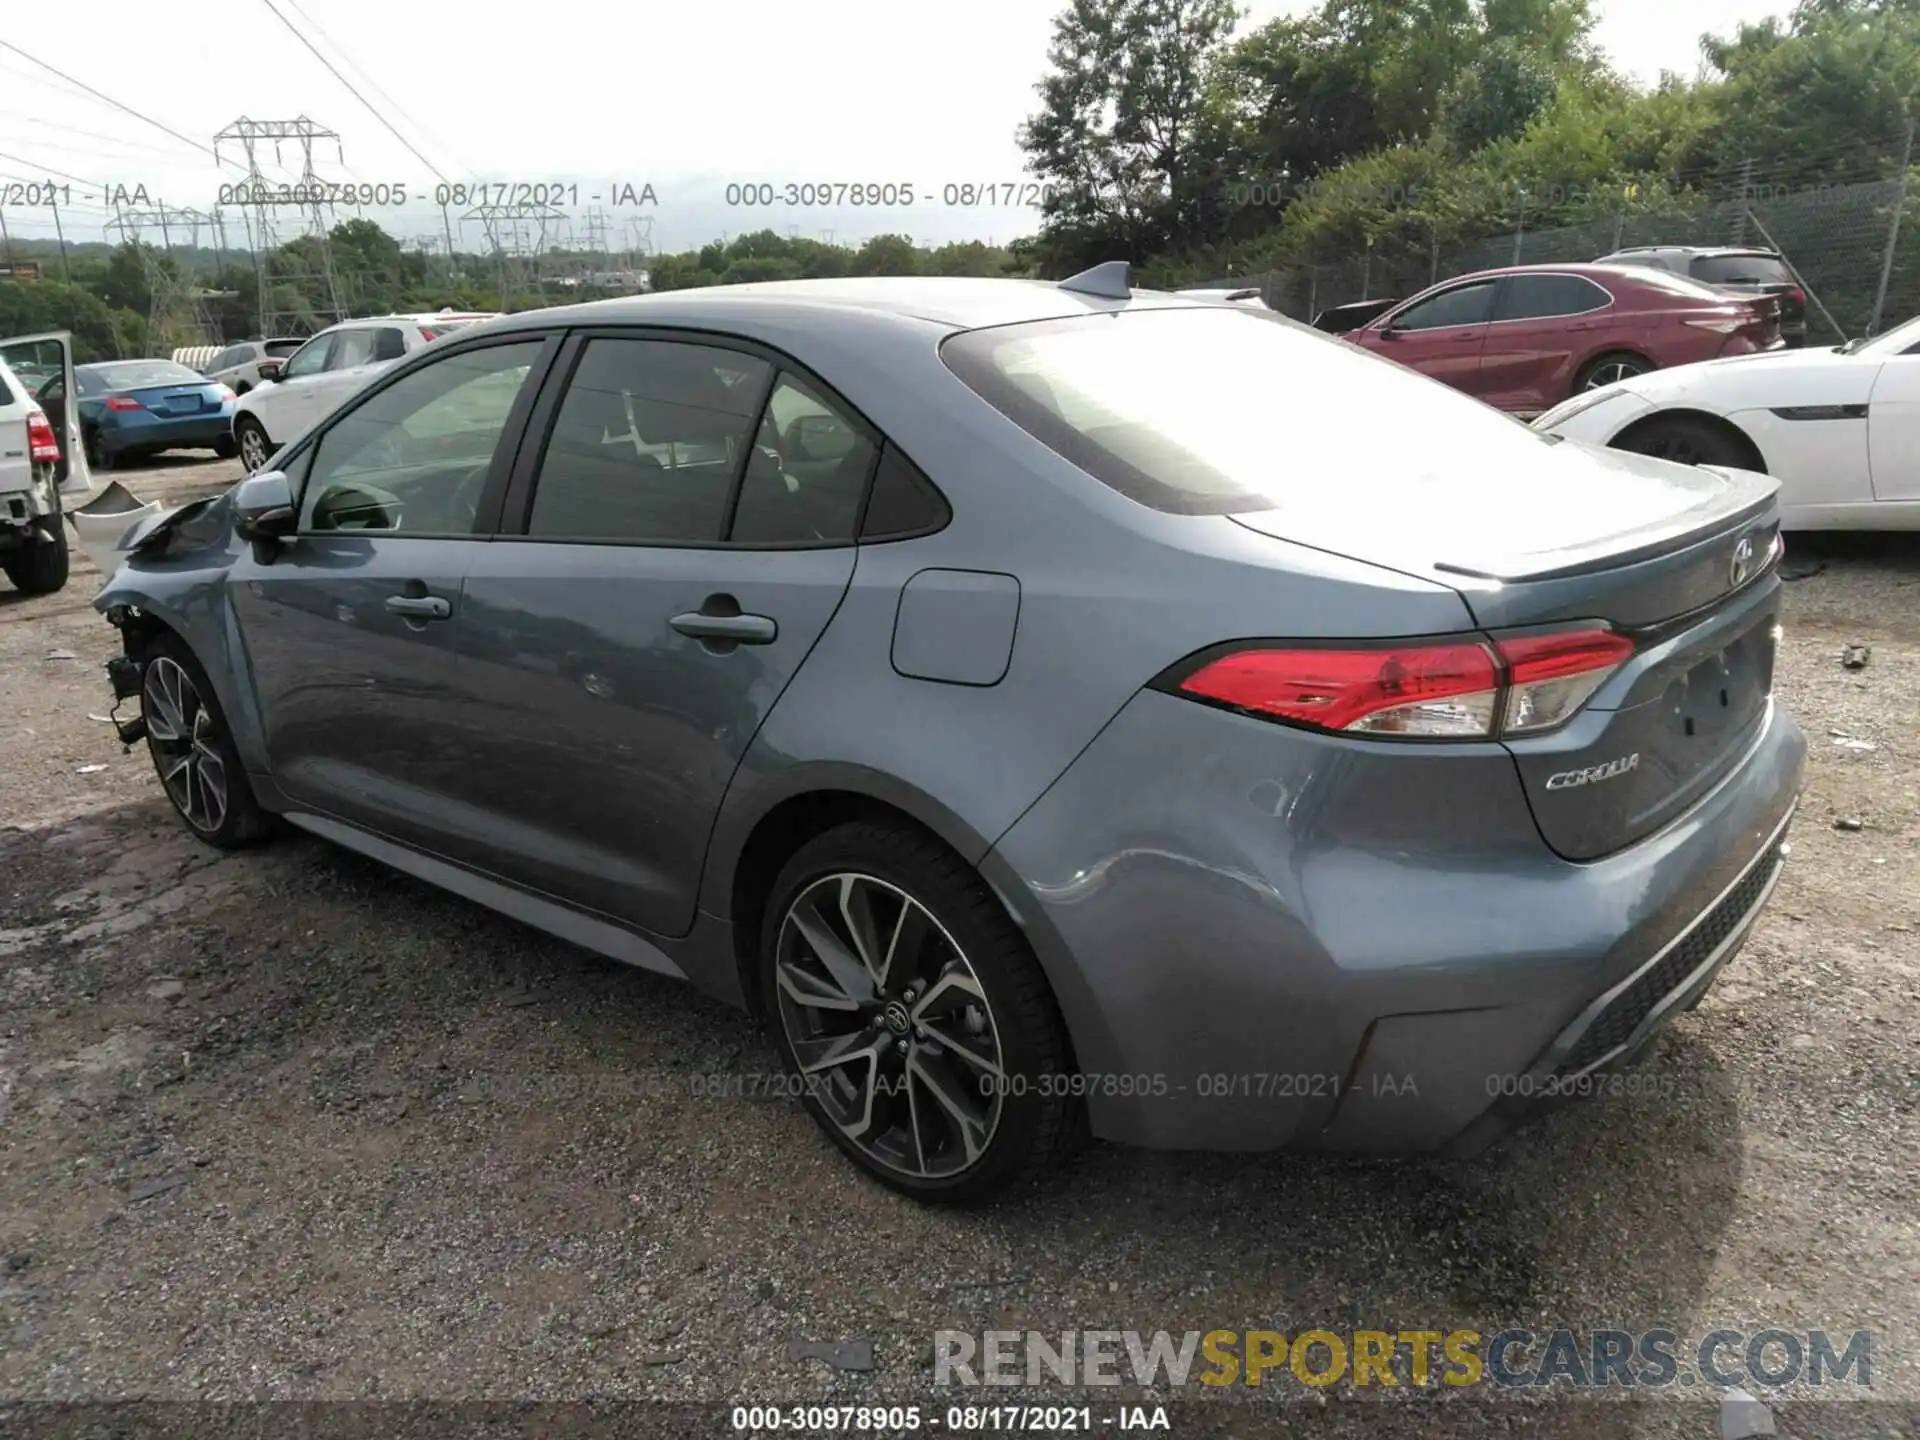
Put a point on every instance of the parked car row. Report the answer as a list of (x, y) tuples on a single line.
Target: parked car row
[(946, 671)]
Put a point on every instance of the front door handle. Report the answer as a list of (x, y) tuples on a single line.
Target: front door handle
[(734, 629), (419, 607)]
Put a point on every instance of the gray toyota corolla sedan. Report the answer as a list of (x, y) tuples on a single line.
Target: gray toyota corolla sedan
[(1052, 708)]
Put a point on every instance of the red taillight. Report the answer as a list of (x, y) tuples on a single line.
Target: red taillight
[(1465, 689), (426, 334), (42, 444), (123, 402), (1798, 296)]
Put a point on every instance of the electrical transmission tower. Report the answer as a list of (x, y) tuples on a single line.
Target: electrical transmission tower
[(304, 268), (177, 314), (518, 235), (599, 252)]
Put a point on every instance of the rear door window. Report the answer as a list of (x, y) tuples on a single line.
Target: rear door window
[(1546, 297), (351, 348), (647, 442), (806, 475)]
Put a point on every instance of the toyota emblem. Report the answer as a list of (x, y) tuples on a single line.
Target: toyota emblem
[(1742, 562)]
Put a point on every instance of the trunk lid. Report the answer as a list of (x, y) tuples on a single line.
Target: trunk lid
[(1681, 559)]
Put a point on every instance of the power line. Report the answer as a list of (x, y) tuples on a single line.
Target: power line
[(371, 108), (108, 99), (372, 84)]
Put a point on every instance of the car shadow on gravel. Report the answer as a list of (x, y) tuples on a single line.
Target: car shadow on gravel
[(208, 1055)]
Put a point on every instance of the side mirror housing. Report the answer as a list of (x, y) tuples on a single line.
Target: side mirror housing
[(263, 508)]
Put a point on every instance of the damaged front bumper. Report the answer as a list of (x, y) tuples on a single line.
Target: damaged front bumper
[(126, 675)]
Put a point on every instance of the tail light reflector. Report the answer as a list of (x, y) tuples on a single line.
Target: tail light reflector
[(43, 446), (1463, 689), (123, 402)]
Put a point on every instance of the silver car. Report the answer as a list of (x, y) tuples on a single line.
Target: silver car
[(1052, 708)]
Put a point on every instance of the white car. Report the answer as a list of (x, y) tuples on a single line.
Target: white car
[(238, 366), (1839, 427), (326, 370), (43, 465)]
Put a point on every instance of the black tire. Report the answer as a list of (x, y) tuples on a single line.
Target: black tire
[(247, 434), (1035, 1122), (97, 457), (226, 448), (1605, 369), (1686, 441), (197, 722), (241, 389), (41, 568)]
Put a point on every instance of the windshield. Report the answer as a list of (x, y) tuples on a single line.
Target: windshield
[(1896, 341), (1220, 411), (134, 374)]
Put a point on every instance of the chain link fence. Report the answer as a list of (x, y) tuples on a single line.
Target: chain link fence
[(1836, 237)]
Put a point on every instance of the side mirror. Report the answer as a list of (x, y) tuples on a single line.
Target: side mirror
[(263, 507), (270, 370), (1389, 332)]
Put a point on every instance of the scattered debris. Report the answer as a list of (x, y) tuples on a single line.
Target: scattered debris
[(1744, 1418), (1849, 822), (1855, 657), (166, 988), (150, 1188), (520, 999), (662, 1357), (846, 1355), (18, 1262), (1851, 742), (103, 719), (89, 769), (61, 655)]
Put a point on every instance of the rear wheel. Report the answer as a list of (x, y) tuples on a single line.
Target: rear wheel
[(912, 1016), (98, 456), (193, 750), (255, 448), (1686, 441), (1608, 369), (40, 568)]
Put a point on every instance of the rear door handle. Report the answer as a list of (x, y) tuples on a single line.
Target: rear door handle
[(737, 629), (419, 607)]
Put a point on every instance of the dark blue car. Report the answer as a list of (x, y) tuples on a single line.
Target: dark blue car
[(132, 408)]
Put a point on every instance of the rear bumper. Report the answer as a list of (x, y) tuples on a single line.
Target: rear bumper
[(163, 432), (1263, 938)]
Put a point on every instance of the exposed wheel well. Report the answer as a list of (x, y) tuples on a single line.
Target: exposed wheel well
[(138, 631), (779, 833), (1726, 429)]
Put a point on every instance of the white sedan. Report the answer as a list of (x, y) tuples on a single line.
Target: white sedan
[(1839, 427)]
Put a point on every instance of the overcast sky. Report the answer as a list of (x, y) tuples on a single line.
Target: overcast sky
[(685, 97)]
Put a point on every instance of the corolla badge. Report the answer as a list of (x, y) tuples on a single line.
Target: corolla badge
[(1594, 774), (1741, 565)]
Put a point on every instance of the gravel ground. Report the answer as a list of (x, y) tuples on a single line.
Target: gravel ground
[(287, 1125)]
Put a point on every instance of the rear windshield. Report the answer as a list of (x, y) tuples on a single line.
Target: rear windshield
[(1741, 270), (1223, 411), (133, 374)]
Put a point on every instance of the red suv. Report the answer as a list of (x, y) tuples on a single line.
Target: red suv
[(1525, 338)]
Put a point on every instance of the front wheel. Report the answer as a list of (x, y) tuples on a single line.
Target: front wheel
[(914, 1021), (1686, 441), (193, 750), (255, 449)]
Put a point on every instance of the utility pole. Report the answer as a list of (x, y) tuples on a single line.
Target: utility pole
[(1893, 232), (8, 239), (263, 197), (66, 272), (1746, 202), (1520, 232)]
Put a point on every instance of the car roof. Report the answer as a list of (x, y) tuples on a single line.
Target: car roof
[(949, 302), (1698, 251)]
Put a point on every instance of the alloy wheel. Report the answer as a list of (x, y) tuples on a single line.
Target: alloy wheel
[(253, 448), (1613, 371), (889, 1026), (184, 738)]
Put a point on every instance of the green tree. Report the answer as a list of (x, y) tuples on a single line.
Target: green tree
[(1121, 135)]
